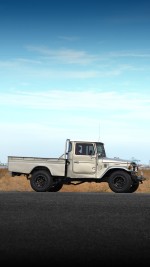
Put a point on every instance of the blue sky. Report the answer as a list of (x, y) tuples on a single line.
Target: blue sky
[(78, 70)]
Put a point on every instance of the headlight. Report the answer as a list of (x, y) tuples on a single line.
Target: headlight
[(133, 167)]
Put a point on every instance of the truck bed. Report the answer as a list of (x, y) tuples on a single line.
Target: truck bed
[(25, 165)]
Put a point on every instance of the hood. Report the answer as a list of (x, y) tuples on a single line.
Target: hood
[(116, 162)]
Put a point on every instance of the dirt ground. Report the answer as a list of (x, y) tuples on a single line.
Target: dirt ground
[(8, 183)]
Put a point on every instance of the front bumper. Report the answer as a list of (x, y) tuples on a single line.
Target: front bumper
[(141, 178), (137, 178)]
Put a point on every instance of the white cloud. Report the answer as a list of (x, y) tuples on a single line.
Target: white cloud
[(48, 140), (122, 104), (55, 64), (37, 120), (69, 38), (67, 56), (135, 54)]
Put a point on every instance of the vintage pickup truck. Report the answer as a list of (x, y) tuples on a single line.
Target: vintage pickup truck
[(82, 161)]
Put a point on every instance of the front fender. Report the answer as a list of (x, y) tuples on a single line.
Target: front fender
[(105, 175)]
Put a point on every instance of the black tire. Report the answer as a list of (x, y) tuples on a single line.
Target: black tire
[(134, 187), (41, 181), (55, 187), (120, 182)]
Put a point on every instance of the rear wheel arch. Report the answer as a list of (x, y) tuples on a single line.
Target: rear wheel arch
[(40, 168)]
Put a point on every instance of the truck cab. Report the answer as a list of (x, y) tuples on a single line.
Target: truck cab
[(83, 159)]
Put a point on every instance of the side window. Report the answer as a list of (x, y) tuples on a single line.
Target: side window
[(90, 150), (79, 149), (84, 149)]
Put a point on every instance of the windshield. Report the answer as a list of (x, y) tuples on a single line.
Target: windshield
[(100, 150)]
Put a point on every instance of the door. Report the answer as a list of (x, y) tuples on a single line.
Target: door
[(84, 160)]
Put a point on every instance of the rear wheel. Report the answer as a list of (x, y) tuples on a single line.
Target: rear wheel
[(120, 182), (41, 181), (55, 187)]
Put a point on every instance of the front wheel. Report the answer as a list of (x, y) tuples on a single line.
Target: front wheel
[(120, 182), (41, 181), (134, 187)]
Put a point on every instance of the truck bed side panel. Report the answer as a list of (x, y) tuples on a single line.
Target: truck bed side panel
[(25, 165)]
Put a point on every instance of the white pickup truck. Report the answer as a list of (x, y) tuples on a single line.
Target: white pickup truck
[(81, 162)]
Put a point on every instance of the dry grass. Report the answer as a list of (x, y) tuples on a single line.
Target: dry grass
[(20, 183), (8, 183)]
